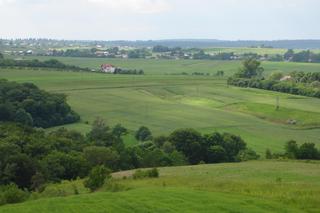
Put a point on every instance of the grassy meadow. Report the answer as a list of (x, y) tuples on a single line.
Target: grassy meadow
[(257, 186), (162, 67), (166, 102)]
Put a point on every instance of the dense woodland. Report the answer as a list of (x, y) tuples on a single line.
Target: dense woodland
[(297, 83), (27, 104)]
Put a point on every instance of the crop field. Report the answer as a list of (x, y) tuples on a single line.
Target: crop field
[(171, 67), (257, 186), (243, 50), (168, 102)]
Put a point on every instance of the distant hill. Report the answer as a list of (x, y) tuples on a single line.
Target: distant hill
[(202, 43)]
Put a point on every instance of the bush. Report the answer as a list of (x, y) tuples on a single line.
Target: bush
[(97, 178), (248, 154), (308, 151), (12, 194), (150, 173), (143, 134)]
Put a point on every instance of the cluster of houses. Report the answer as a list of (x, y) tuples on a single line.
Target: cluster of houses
[(19, 52), (108, 54)]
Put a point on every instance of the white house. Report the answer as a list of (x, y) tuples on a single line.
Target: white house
[(286, 78), (108, 68)]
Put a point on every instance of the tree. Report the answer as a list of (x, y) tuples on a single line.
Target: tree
[(247, 154), (63, 166), (97, 156), (233, 145), (143, 134), (289, 55), (250, 68), (23, 117), (160, 140), (216, 154), (188, 141), (19, 169), (101, 134), (27, 104), (291, 149), (168, 147), (268, 154), (308, 151), (118, 130), (97, 178)]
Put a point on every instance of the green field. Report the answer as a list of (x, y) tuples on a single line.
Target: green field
[(258, 186), (243, 50), (164, 102), (167, 102), (161, 67)]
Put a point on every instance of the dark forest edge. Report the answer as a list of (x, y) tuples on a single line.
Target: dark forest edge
[(297, 83), (27, 104)]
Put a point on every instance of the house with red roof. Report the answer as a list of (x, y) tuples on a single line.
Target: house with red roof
[(108, 68)]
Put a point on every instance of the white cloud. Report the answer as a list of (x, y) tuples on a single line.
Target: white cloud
[(3, 2), (136, 6)]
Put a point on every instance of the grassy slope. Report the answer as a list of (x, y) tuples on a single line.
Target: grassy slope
[(166, 102), (258, 186)]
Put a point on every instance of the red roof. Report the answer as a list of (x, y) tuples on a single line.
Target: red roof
[(107, 65)]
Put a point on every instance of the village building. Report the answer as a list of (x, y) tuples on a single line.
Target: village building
[(286, 78), (108, 68)]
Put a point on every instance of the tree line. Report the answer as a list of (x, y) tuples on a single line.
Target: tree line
[(27, 104), (128, 71), (35, 63), (305, 151), (302, 56), (297, 83), (30, 158)]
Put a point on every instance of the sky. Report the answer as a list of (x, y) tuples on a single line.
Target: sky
[(160, 19)]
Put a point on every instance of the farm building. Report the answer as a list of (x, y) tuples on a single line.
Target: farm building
[(286, 78), (108, 68)]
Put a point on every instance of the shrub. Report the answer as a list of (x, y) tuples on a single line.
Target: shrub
[(150, 173), (12, 194), (268, 154), (97, 178), (308, 151), (248, 154)]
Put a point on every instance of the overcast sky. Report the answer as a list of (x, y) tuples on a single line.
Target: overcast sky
[(160, 19)]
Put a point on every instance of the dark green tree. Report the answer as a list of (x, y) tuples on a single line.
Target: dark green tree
[(118, 130), (97, 178), (23, 117), (188, 141), (291, 149), (143, 134), (216, 154), (97, 156), (308, 151), (250, 68)]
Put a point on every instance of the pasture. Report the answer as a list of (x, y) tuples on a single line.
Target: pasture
[(165, 102), (171, 67), (257, 186)]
